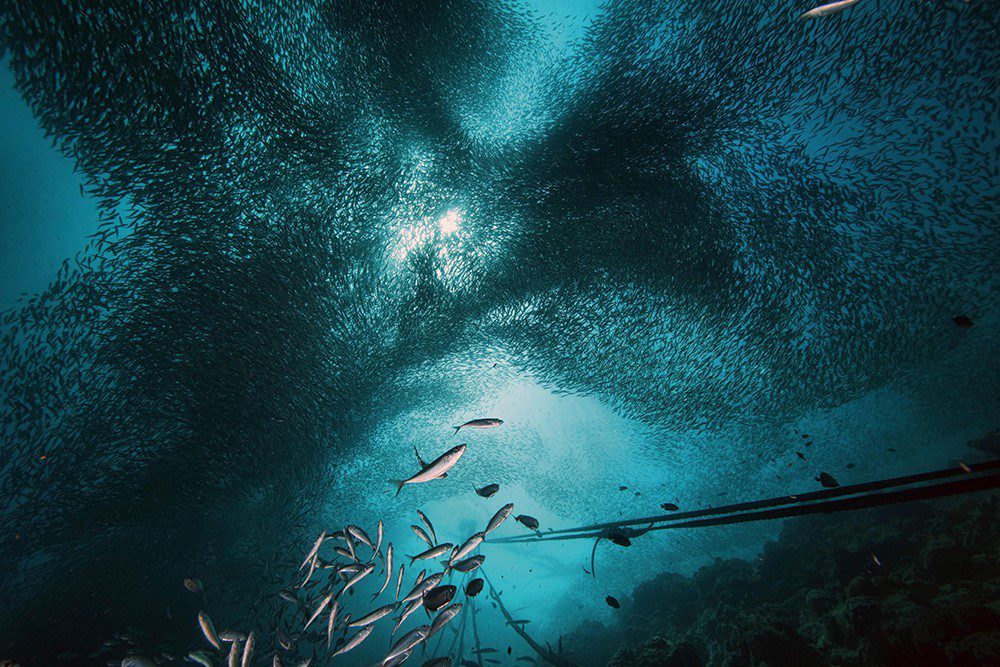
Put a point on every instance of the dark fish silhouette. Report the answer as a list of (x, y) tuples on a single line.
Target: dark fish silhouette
[(438, 597), (474, 587), (612, 602), (528, 521), (488, 490), (962, 322), (827, 480), (669, 507)]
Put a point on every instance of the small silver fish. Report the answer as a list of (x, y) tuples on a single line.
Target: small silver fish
[(433, 552), (437, 467), (399, 581), (422, 534), (388, 571), (826, 10), (407, 642), (499, 518), (330, 623), (319, 609), (488, 422), (427, 522), (193, 585), (312, 552), (361, 535), (247, 650), (443, 617), (355, 640), (469, 545), (373, 616)]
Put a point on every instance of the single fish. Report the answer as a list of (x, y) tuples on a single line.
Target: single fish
[(474, 587), (193, 585), (441, 464), (619, 538), (247, 650), (388, 571), (443, 617), (319, 609), (469, 545), (355, 640), (234, 655), (827, 480), (397, 660), (312, 552), (529, 522), (433, 552), (424, 585), (208, 630), (488, 490), (444, 661), (482, 651), (499, 518), (469, 564), (413, 605), (407, 642), (358, 576), (427, 522), (399, 581), (422, 534), (826, 10), (518, 621), (962, 321), (669, 507), (613, 603), (489, 422), (362, 536), (373, 616), (200, 657), (232, 636), (331, 621), (378, 542), (437, 597)]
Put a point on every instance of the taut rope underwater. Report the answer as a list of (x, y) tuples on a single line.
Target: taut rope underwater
[(977, 477)]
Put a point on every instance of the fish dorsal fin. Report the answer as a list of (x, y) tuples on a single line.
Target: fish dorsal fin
[(419, 460)]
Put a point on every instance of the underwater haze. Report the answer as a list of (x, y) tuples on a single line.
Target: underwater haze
[(261, 257)]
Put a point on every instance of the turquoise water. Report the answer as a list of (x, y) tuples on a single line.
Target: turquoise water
[(702, 250)]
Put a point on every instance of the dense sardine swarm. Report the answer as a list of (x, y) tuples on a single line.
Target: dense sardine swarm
[(702, 212)]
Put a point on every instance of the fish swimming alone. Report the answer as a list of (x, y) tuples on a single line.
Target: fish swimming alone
[(488, 490), (827, 480), (613, 602), (488, 422), (826, 10), (529, 522), (441, 464)]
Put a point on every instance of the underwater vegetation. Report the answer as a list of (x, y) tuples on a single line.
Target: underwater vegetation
[(333, 231), (913, 584)]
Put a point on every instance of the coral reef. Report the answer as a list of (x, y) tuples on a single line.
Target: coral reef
[(907, 585)]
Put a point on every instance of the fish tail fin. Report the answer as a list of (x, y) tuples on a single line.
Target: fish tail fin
[(456, 430), (399, 485)]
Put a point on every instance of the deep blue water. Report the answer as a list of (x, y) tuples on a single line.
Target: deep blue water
[(702, 250)]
